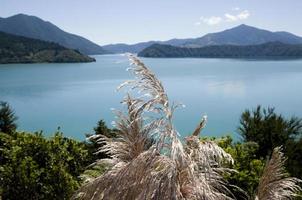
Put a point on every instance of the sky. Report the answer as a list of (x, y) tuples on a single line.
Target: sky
[(132, 21)]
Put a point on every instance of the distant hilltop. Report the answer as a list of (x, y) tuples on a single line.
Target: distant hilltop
[(19, 49), (240, 35), (34, 27), (266, 50)]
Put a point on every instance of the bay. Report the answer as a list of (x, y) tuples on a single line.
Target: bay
[(75, 96)]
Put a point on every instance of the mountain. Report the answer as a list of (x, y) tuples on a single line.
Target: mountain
[(34, 27), (19, 49), (240, 35), (122, 48), (244, 35), (270, 49), (135, 48)]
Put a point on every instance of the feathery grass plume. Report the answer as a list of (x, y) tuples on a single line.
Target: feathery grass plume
[(207, 160), (133, 136), (275, 183), (206, 183), (200, 126), (165, 170)]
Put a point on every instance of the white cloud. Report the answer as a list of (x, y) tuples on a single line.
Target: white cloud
[(244, 14), (230, 18), (214, 20), (241, 16)]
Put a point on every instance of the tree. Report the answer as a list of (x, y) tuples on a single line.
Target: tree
[(7, 118), (268, 129), (93, 144), (102, 129)]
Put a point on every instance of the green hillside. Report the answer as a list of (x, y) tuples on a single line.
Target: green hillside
[(18, 49), (271, 49)]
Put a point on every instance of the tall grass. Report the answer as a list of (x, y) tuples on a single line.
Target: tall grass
[(275, 183), (166, 168)]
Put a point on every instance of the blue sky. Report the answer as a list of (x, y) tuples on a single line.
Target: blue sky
[(131, 21)]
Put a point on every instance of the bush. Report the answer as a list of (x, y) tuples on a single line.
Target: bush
[(249, 168), (32, 167)]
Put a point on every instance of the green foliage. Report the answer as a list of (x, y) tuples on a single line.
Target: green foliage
[(294, 155), (95, 169), (268, 129), (102, 129), (93, 145), (249, 168), (32, 167), (7, 118)]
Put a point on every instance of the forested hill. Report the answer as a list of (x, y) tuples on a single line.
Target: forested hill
[(34, 27), (271, 49), (18, 49)]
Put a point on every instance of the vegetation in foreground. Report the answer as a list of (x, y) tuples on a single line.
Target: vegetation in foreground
[(170, 168), (145, 157), (18, 49), (35, 167)]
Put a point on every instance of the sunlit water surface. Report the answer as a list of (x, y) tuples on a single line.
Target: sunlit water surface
[(75, 96)]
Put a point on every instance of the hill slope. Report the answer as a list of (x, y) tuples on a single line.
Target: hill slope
[(19, 49), (34, 27), (244, 35), (123, 48), (135, 48), (271, 49), (240, 35)]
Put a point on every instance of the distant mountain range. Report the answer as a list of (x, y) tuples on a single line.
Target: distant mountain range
[(34, 27), (19, 49), (135, 48), (270, 49), (240, 35)]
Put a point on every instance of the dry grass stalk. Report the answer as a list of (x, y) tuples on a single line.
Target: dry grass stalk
[(275, 183), (168, 169), (200, 126)]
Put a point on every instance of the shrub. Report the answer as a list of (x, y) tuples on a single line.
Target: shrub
[(32, 167)]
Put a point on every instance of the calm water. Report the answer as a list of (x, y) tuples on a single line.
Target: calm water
[(76, 96)]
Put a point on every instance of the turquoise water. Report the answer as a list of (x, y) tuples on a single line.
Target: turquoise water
[(75, 96)]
